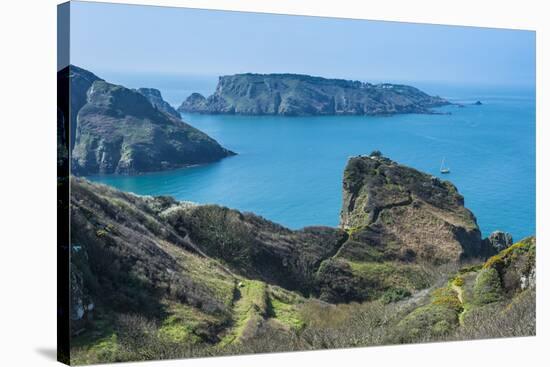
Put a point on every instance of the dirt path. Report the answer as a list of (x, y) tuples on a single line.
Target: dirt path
[(459, 293)]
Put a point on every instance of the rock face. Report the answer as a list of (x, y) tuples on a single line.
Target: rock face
[(498, 241), (419, 215), (119, 131), (302, 95), (80, 81), (155, 98), (516, 266)]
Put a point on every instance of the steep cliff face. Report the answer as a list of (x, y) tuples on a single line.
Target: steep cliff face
[(421, 216), (80, 81), (119, 131), (402, 223), (299, 95), (155, 98)]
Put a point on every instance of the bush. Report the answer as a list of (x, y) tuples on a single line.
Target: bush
[(487, 287), (498, 320), (394, 295), (426, 323)]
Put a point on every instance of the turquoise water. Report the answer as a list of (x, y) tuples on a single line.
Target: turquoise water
[(289, 170)]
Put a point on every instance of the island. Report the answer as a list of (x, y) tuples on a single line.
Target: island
[(118, 130), (304, 95)]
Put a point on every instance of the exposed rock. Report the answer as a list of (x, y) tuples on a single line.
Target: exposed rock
[(123, 133), (478, 103), (400, 222), (80, 80), (516, 265), (119, 131), (196, 102), (155, 98), (299, 95), (498, 241), (407, 213)]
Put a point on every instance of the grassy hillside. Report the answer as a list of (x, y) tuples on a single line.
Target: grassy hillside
[(154, 278)]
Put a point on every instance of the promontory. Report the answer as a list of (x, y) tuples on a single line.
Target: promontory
[(114, 129)]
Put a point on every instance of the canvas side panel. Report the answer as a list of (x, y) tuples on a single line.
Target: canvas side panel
[(63, 183)]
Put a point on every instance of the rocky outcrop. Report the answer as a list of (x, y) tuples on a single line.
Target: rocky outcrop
[(302, 95), (515, 266), (401, 222), (119, 131), (418, 214), (498, 241), (155, 98)]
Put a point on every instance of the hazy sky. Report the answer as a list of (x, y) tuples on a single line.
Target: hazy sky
[(134, 38)]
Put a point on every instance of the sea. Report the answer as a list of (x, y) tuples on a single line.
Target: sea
[(289, 169)]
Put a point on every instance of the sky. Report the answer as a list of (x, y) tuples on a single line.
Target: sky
[(148, 39)]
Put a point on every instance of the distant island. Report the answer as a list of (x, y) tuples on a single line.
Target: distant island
[(124, 131), (304, 95)]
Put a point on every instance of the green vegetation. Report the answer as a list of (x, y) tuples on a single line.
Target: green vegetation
[(185, 324), (487, 288), (507, 256), (426, 323), (284, 306), (391, 280), (154, 279), (249, 310)]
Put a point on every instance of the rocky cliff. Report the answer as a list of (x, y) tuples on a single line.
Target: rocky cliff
[(80, 81), (155, 98), (119, 131), (302, 95), (420, 215), (114, 129)]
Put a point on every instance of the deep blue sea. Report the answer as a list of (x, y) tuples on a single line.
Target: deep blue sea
[(289, 169)]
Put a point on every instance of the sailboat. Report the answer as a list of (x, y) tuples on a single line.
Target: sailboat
[(444, 169)]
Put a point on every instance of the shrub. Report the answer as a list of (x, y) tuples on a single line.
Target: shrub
[(458, 281), (487, 287), (394, 295), (497, 320), (425, 323)]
